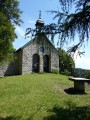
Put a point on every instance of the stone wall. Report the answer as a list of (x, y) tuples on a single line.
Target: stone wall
[(9, 69), (34, 48), (54, 60), (19, 60), (12, 68), (24, 57)]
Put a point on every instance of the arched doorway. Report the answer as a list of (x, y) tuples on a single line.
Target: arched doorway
[(35, 65), (46, 63)]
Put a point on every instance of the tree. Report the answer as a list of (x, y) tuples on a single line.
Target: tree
[(9, 17), (11, 10), (7, 36), (72, 22), (73, 18), (66, 63)]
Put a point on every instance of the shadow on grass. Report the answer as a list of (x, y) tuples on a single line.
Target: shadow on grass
[(10, 118), (69, 113), (20, 118), (15, 118), (72, 91)]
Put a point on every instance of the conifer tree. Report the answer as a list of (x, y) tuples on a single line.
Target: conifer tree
[(9, 17), (74, 18)]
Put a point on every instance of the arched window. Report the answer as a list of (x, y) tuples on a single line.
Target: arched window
[(46, 63), (36, 63)]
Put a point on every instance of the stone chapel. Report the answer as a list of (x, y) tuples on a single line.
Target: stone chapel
[(38, 55)]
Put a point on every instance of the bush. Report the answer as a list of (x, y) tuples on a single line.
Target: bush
[(75, 74), (32, 72), (87, 74), (66, 72), (55, 71), (42, 72)]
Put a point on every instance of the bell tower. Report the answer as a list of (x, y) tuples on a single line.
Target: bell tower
[(39, 23)]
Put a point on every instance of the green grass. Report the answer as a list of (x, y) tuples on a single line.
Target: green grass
[(42, 97)]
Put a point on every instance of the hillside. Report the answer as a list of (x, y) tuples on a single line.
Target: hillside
[(42, 97)]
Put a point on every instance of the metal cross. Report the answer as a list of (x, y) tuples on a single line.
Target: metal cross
[(40, 14)]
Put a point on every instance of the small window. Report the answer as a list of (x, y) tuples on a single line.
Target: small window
[(41, 49)]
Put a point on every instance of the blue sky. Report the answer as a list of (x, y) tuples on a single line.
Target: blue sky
[(29, 16)]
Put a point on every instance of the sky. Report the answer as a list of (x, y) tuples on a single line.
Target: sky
[(29, 17)]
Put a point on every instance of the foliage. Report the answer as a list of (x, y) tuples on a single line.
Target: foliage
[(86, 73), (73, 18), (72, 21), (82, 73), (11, 10), (7, 36), (66, 72), (55, 71), (9, 17), (42, 72), (66, 63), (31, 97), (76, 74)]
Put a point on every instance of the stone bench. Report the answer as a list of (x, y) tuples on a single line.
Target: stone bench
[(79, 83)]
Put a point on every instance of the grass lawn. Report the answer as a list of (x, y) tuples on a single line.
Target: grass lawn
[(42, 97)]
